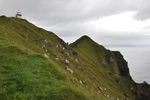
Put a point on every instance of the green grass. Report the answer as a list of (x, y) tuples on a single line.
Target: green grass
[(94, 52), (30, 76), (25, 74)]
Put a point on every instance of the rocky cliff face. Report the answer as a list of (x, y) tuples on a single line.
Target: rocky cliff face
[(122, 64), (37, 64)]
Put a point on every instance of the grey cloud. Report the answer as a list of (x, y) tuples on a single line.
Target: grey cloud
[(64, 11), (143, 10), (66, 17)]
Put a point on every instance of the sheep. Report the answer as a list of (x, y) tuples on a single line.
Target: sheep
[(25, 36), (56, 46), (49, 44), (56, 56), (80, 81), (100, 88), (126, 95), (46, 41), (69, 69), (57, 59), (66, 62), (75, 53), (71, 58), (43, 45), (104, 95), (67, 53), (46, 55), (107, 95), (83, 70), (79, 67), (77, 60), (83, 81)]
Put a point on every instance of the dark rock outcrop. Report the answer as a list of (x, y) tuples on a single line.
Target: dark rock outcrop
[(122, 64)]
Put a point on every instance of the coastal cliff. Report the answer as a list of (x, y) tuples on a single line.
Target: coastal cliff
[(37, 64)]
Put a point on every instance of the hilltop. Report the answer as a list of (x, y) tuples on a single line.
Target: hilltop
[(36, 64)]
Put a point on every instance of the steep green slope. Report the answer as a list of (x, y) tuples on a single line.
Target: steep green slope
[(29, 76), (25, 74), (102, 57), (35, 64), (104, 66), (109, 63)]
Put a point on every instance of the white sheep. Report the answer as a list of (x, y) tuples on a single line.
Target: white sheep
[(66, 62), (46, 41), (67, 53), (80, 81), (100, 88), (69, 69), (46, 55), (77, 60), (57, 59), (56, 46)]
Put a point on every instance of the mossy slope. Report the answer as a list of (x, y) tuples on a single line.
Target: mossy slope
[(32, 66)]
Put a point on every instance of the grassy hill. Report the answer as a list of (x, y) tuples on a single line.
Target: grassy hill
[(36, 64)]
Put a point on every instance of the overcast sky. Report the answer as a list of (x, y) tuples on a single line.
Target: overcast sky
[(108, 22)]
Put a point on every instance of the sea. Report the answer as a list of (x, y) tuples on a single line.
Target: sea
[(138, 58)]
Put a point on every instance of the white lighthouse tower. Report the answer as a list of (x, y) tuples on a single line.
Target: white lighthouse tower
[(19, 15)]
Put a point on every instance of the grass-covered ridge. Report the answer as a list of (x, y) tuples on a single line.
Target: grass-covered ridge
[(26, 75), (36, 64)]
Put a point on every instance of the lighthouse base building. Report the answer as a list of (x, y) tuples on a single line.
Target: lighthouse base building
[(18, 15)]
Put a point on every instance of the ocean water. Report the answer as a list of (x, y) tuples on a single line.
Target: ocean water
[(138, 58)]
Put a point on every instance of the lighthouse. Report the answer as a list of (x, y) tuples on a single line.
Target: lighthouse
[(19, 15)]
